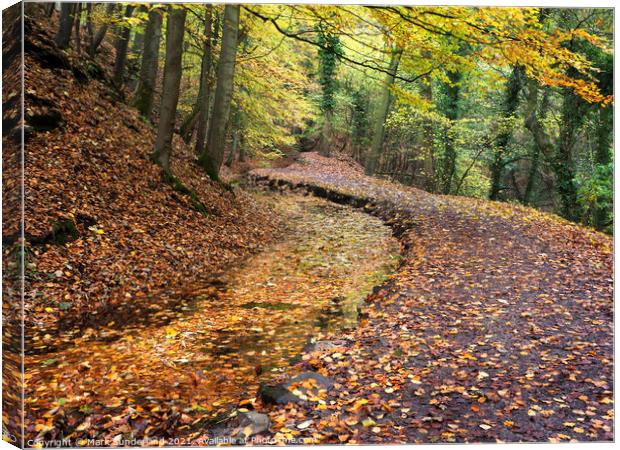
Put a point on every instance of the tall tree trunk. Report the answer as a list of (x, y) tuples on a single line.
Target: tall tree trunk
[(212, 156), (359, 123), (329, 45), (121, 45), (542, 141), (78, 20), (448, 160), (175, 29), (241, 148), (136, 51), (563, 162), (384, 105), (429, 141), (236, 134), (202, 102), (604, 135), (150, 61), (537, 149), (327, 131), (532, 173), (190, 123), (103, 29), (604, 146), (511, 102), (134, 69), (90, 33), (67, 15)]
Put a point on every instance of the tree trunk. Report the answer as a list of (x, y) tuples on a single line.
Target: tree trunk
[(537, 149), (448, 163), (170, 88), (150, 60), (533, 122), (236, 133), (78, 19), (604, 146), (241, 148), (67, 15), (511, 102), (604, 137), (138, 38), (202, 102), (136, 51), (563, 161), (359, 124), (101, 32), (121, 45), (325, 140), (429, 141), (384, 105), (90, 33), (212, 156), (188, 124)]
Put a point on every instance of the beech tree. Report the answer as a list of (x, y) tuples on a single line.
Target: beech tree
[(511, 102), (382, 112), (121, 45), (213, 154), (202, 102), (145, 91), (175, 30), (96, 38), (67, 15), (329, 47)]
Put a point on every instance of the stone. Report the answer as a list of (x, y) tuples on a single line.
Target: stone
[(320, 380), (276, 395), (281, 395), (253, 422)]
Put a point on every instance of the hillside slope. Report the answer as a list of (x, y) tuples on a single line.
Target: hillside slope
[(106, 234)]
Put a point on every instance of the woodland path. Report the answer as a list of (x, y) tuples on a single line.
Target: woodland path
[(497, 326), (186, 368)]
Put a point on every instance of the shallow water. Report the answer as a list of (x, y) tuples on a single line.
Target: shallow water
[(243, 328)]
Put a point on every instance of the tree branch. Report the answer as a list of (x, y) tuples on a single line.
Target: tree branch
[(339, 55)]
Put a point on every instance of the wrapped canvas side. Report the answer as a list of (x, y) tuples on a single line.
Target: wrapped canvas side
[(13, 253)]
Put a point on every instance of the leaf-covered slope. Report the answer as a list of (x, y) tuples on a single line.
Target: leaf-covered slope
[(104, 229), (498, 325)]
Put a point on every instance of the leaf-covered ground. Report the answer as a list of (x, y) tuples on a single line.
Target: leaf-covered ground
[(497, 327), (107, 239), (159, 381), (130, 229)]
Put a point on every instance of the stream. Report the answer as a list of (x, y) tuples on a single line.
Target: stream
[(246, 327)]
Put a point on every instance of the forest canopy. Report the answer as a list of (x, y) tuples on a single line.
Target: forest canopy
[(510, 104)]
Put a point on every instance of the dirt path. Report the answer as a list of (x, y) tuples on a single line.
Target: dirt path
[(165, 379), (498, 326)]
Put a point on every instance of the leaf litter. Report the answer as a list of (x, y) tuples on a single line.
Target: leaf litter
[(246, 327), (497, 327)]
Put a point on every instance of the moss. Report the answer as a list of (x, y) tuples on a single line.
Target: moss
[(230, 187), (178, 186), (63, 231)]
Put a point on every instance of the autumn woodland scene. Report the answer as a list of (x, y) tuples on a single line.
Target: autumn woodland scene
[(304, 224)]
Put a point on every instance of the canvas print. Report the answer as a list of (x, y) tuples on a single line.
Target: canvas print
[(304, 224)]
